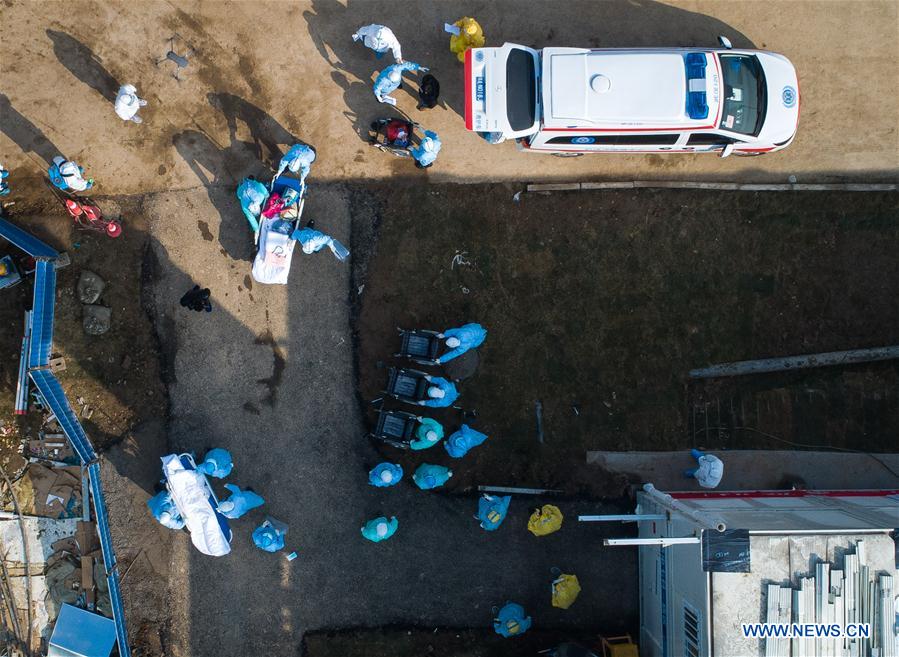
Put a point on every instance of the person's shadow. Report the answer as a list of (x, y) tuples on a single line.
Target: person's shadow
[(267, 134), (24, 133), (221, 168), (83, 64), (576, 23)]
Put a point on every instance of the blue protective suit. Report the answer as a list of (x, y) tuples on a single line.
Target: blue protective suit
[(492, 510), (217, 463), (458, 444), (469, 337), (384, 86), (511, 620), (426, 426), (239, 502), (450, 394), (298, 159), (429, 476), (313, 241), (380, 529), (426, 151), (165, 511), (269, 536), (378, 476), (4, 186), (252, 195)]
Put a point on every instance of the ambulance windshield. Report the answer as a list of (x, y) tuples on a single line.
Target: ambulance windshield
[(521, 90)]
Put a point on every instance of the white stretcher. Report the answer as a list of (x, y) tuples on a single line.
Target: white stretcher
[(197, 504)]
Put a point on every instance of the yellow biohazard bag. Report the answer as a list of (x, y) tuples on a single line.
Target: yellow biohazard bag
[(545, 521)]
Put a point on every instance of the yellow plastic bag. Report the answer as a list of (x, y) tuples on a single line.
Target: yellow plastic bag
[(565, 590), (545, 521), (470, 36)]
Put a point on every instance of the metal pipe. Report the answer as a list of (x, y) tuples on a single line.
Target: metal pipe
[(663, 542), (705, 520), (513, 490), (789, 363), (623, 518)]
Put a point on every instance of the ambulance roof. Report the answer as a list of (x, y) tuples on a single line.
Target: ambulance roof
[(620, 88)]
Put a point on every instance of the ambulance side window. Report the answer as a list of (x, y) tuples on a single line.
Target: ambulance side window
[(708, 139), (668, 139)]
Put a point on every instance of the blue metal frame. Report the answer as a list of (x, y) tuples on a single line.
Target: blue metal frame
[(52, 392), (42, 317), (38, 358), (25, 241)]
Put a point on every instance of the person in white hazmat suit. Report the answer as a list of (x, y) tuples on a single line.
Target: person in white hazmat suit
[(710, 469), (380, 38), (127, 103)]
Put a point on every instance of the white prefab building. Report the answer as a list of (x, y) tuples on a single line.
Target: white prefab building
[(713, 561)]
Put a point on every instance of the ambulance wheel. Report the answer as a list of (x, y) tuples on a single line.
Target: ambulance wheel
[(567, 154)]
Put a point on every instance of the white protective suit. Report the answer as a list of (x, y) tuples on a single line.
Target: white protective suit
[(379, 38), (127, 103), (71, 173), (191, 494), (710, 471)]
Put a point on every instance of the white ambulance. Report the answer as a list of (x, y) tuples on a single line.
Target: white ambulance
[(569, 101)]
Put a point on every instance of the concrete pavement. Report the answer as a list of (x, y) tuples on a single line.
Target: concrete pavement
[(757, 469), (266, 73)]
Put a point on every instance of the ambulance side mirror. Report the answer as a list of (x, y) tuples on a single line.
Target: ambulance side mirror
[(727, 150), (725, 42)]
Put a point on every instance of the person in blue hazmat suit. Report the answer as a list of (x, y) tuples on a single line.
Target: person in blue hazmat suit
[(441, 393), (511, 621), (313, 241), (298, 159), (385, 474), (428, 433), (390, 79), (425, 154), (4, 186), (239, 502), (165, 511), (458, 444), (217, 463), (269, 536), (459, 340), (380, 529), (429, 476), (492, 510)]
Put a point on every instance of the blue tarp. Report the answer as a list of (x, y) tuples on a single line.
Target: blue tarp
[(25, 241), (42, 317)]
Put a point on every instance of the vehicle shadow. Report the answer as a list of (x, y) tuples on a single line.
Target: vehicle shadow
[(578, 23), (24, 133), (83, 64)]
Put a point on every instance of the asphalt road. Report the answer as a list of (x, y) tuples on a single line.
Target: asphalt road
[(267, 73)]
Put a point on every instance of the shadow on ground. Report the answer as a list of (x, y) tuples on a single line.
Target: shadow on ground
[(84, 64), (217, 167), (620, 23)]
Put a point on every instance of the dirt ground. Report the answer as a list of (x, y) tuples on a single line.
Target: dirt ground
[(116, 375), (436, 642), (598, 304), (293, 68)]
